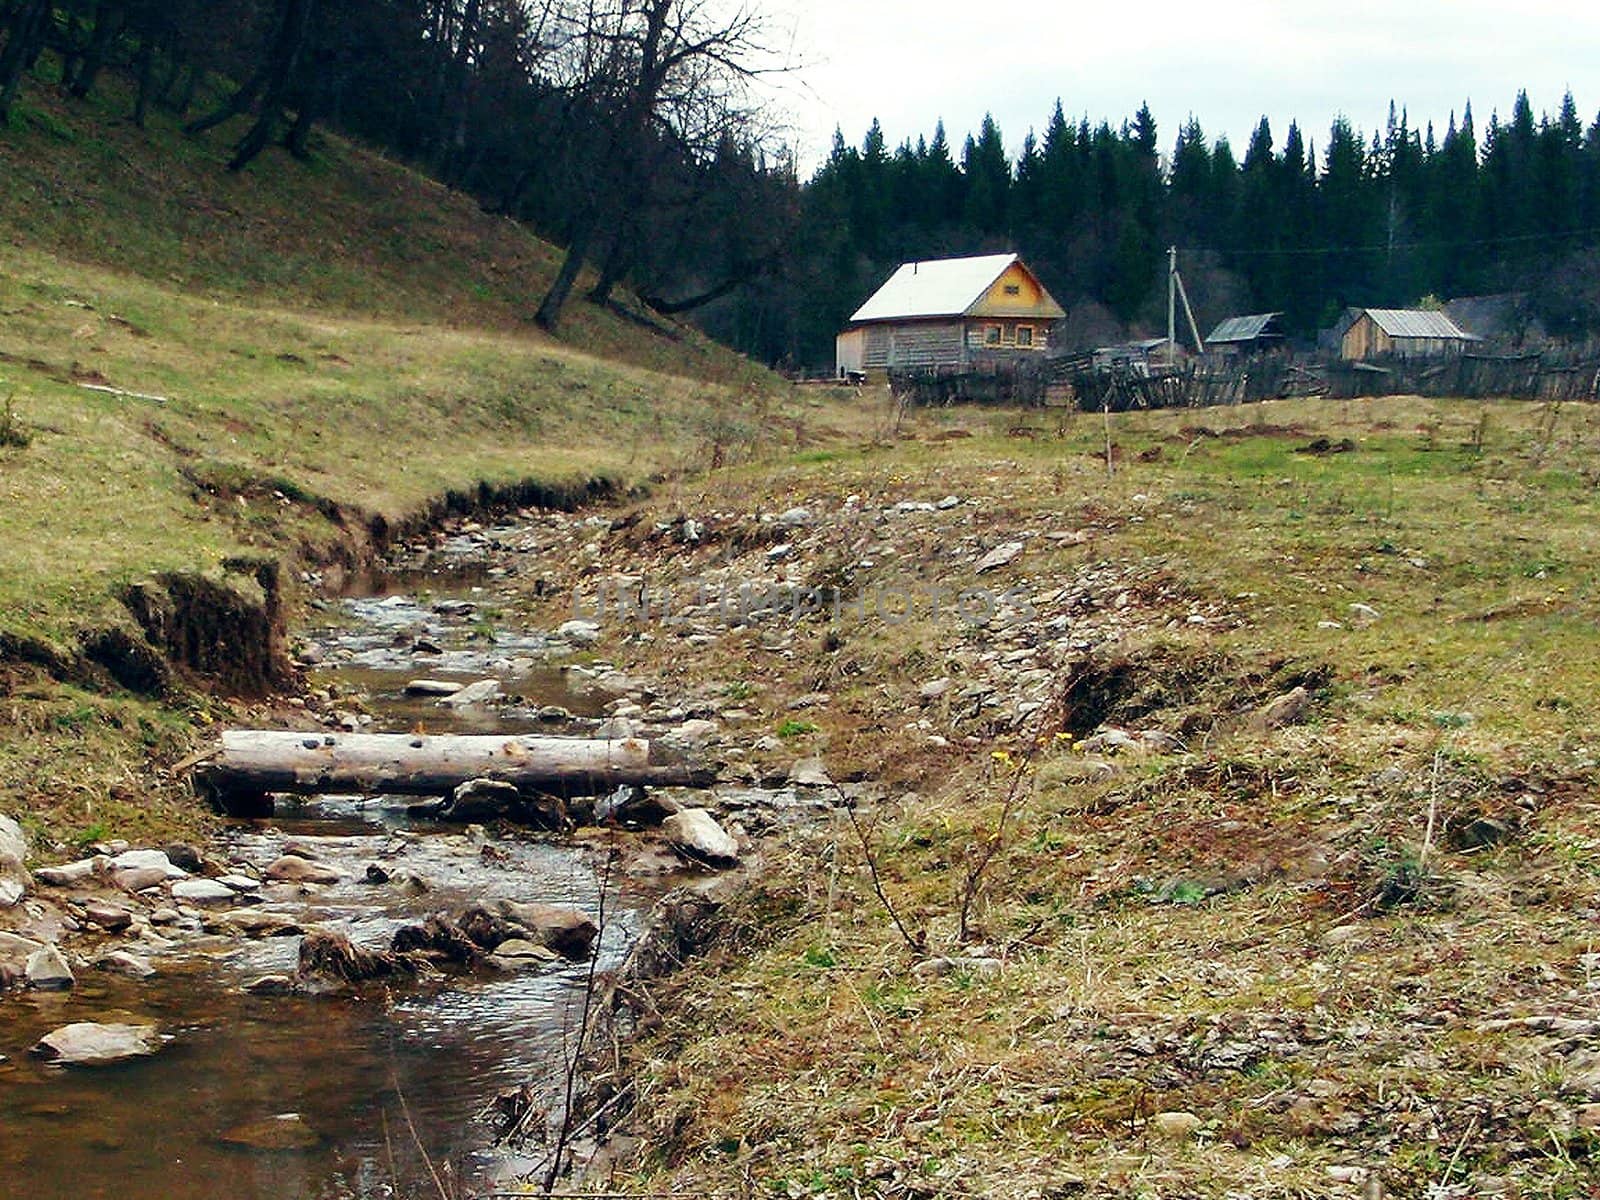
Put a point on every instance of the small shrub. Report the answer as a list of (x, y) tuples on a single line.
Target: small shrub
[(12, 432)]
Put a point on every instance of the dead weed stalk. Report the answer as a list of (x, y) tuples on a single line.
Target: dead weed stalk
[(917, 943), (980, 857)]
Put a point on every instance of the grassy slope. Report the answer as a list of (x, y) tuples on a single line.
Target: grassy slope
[(1201, 932), (346, 330)]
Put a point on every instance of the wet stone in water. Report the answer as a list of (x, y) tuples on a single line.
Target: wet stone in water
[(284, 1132)]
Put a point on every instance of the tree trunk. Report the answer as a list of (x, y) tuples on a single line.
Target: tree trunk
[(455, 103), (555, 300), (24, 36), (108, 26), (615, 269), (255, 762), (298, 140), (146, 66), (238, 103), (286, 51)]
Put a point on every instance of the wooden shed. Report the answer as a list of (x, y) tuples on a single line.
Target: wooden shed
[(1247, 335), (1402, 333), (950, 312)]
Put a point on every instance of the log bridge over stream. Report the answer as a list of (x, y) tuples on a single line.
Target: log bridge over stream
[(250, 766)]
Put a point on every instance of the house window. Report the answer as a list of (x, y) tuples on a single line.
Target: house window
[(1013, 289), (1024, 335), (991, 335)]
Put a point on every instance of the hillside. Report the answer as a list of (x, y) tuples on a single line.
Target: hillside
[(1241, 842), (292, 364)]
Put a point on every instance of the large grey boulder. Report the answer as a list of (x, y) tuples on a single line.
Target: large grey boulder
[(695, 833), (87, 1044)]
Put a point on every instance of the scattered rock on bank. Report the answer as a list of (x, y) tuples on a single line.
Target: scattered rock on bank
[(1288, 709), (203, 892), (74, 873), (48, 971), (15, 951), (14, 878), (481, 692), (579, 632), (809, 772), (291, 868), (566, 931), (87, 1044), (431, 687), (1175, 1126), (695, 833), (147, 860), (110, 917), (1000, 556), (137, 879), (121, 962)]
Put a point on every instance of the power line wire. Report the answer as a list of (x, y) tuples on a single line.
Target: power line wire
[(1509, 239)]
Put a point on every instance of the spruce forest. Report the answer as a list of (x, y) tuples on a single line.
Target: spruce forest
[(633, 133)]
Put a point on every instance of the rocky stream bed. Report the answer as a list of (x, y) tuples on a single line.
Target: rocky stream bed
[(169, 1020)]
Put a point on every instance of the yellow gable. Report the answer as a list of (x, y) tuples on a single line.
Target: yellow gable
[(1017, 294)]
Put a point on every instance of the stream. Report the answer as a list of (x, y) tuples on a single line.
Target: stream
[(388, 1086)]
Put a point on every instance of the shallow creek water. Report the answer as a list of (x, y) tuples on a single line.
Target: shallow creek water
[(374, 1077)]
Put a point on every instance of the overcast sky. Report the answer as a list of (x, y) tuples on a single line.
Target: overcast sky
[(1228, 62)]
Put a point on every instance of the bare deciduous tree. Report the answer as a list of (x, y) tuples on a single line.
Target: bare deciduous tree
[(665, 78)]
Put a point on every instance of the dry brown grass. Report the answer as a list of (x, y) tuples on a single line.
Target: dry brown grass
[(1258, 928)]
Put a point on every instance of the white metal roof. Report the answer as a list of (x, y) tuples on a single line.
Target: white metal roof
[(1242, 329), (945, 287), (1417, 323)]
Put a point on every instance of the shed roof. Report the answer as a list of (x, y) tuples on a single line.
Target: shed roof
[(1242, 329), (1417, 323), (946, 287)]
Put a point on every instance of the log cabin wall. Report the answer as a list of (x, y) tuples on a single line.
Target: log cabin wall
[(912, 344)]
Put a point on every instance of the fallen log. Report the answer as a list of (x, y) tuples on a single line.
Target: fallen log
[(253, 764)]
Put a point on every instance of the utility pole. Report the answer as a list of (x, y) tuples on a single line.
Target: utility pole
[(1175, 292), (1172, 308)]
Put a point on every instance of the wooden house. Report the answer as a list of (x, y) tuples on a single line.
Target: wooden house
[(1247, 335), (953, 312), (1402, 333)]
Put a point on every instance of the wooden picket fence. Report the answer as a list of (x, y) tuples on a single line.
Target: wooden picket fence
[(1562, 373)]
